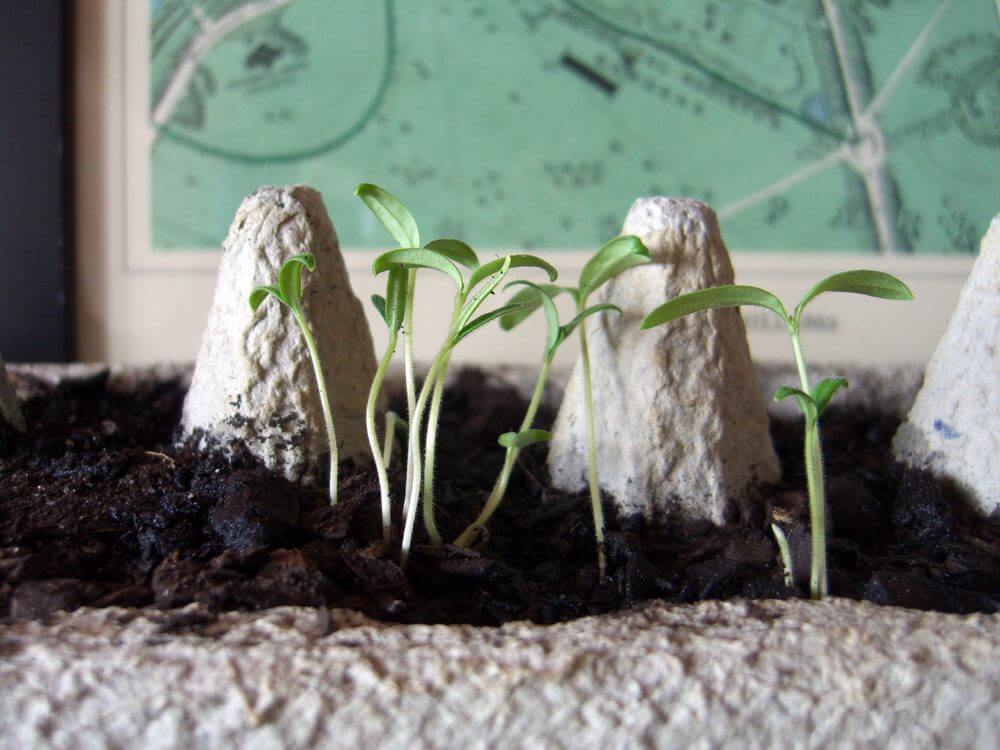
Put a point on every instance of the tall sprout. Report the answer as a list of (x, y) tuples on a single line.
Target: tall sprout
[(529, 299), (392, 309), (812, 401), (288, 292), (612, 259), (399, 222)]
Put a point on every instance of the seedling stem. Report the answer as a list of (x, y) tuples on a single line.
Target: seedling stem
[(381, 458), (592, 478), (324, 400)]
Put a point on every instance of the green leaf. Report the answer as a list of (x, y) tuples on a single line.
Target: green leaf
[(290, 277), (258, 295), (395, 299), (525, 438), (482, 320), (592, 310), (824, 390), (394, 215), (517, 260), (379, 301), (532, 297), (805, 401), (616, 256), (415, 257), (870, 283), (479, 297), (456, 251), (719, 296)]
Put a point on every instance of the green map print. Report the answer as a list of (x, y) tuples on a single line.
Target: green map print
[(809, 125)]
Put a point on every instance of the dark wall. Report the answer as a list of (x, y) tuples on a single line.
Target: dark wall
[(35, 243)]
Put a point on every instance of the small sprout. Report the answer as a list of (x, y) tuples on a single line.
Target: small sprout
[(289, 293), (519, 307), (811, 401), (786, 555), (612, 259)]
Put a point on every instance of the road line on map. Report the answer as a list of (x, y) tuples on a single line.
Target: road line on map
[(780, 186), (906, 60), (198, 49)]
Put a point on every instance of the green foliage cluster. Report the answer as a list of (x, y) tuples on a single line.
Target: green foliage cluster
[(811, 400), (476, 283)]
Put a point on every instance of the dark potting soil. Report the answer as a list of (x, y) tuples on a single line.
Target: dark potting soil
[(99, 507)]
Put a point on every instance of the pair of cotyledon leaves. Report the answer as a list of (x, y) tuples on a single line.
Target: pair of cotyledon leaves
[(289, 287), (869, 283), (612, 259)]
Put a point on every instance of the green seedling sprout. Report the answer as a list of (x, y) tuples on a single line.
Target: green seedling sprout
[(289, 292), (811, 401), (527, 300), (391, 308), (399, 222), (470, 295), (613, 258)]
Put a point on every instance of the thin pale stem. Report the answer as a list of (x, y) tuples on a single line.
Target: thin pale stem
[(814, 483), (379, 457), (430, 444), (817, 510), (408, 370), (500, 486), (430, 447), (390, 438), (595, 491), (410, 506), (800, 362), (324, 400)]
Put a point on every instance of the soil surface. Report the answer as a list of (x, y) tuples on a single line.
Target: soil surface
[(100, 507)]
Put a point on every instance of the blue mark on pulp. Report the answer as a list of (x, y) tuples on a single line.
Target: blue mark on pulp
[(947, 431)]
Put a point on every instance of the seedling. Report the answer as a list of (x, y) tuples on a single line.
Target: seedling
[(611, 260), (391, 307), (470, 295), (527, 300), (616, 256), (812, 401), (399, 222), (289, 293)]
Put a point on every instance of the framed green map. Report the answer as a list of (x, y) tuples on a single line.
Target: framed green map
[(809, 125)]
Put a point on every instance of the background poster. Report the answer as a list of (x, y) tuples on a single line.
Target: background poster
[(820, 131)]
